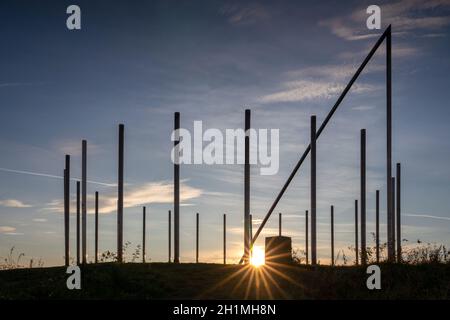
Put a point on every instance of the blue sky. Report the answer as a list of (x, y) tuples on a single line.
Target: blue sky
[(138, 63)]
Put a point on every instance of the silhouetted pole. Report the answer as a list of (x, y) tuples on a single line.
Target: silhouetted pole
[(377, 225), (332, 235), (390, 213), (356, 233), (399, 225), (224, 238), (120, 195), (170, 236), (176, 196), (279, 224), (83, 201), (247, 240), (251, 226), (143, 233), (96, 227), (78, 221), (313, 192), (363, 198), (306, 237), (196, 241), (67, 210), (393, 216)]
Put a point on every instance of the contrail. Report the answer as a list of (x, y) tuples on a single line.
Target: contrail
[(38, 174), (427, 216)]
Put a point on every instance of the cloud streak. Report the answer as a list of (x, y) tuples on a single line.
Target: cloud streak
[(13, 203)]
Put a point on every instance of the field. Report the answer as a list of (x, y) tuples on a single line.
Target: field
[(215, 281)]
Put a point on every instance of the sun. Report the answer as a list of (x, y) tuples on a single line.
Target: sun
[(257, 257)]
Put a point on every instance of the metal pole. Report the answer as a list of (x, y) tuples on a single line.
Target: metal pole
[(247, 239), (332, 235), (363, 198), (322, 127), (399, 225), (143, 233), (377, 225), (83, 201), (170, 236), (67, 210), (306, 238), (393, 216), (391, 253), (78, 222), (356, 233), (120, 195), (313, 192), (224, 239), (176, 196), (196, 242), (96, 227), (279, 224)]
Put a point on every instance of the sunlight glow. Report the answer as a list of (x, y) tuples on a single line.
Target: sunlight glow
[(257, 257)]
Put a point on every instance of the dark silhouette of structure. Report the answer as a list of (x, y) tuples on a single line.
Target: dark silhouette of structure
[(377, 225), (176, 188), (67, 210), (224, 238), (120, 194), (83, 201), (78, 221), (196, 237), (278, 250), (313, 192), (96, 228), (170, 236), (363, 198), (399, 225), (332, 235), (143, 233), (306, 237), (247, 240), (356, 233)]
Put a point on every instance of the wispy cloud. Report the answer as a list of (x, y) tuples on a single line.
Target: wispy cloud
[(7, 229), (13, 203), (39, 174), (427, 216), (319, 82), (405, 16), (139, 195), (244, 13)]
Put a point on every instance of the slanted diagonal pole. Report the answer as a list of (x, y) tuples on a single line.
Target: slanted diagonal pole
[(322, 127)]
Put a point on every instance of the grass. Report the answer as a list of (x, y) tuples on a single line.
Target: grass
[(215, 281)]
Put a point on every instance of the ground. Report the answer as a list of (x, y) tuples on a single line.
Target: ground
[(215, 281)]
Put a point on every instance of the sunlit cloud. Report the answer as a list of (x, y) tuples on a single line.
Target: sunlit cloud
[(139, 195), (13, 203)]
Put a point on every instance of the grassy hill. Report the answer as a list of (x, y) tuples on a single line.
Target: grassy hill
[(214, 281)]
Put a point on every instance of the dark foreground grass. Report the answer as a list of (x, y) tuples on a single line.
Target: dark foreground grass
[(213, 281)]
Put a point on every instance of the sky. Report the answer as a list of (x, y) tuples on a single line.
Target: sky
[(138, 62)]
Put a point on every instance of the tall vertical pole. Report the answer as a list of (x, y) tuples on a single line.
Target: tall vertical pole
[(96, 227), (170, 236), (399, 224), (332, 235), (313, 192), (224, 238), (120, 195), (251, 226), (67, 210), (247, 239), (393, 217), (279, 224), (83, 201), (306, 237), (363, 198), (78, 222), (176, 189), (356, 233), (196, 242), (377, 225), (143, 233), (390, 246)]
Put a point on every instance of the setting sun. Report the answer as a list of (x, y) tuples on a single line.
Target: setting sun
[(257, 257)]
